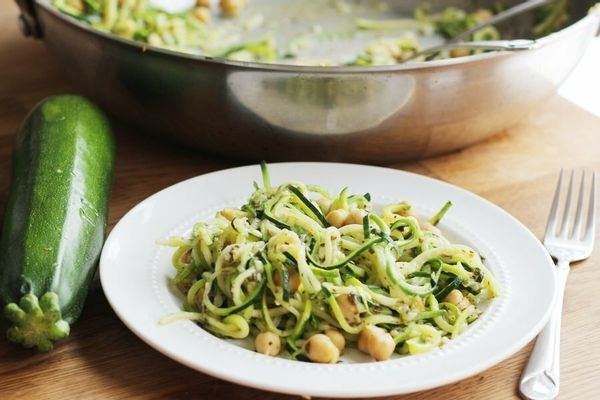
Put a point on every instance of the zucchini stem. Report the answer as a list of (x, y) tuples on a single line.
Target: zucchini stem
[(438, 217), (265, 175), (36, 323)]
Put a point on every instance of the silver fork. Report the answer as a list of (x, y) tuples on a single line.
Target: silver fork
[(541, 377)]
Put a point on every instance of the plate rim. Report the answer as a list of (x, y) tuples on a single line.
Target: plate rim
[(452, 377)]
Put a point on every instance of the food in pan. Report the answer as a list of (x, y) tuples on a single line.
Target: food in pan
[(309, 273), (312, 32)]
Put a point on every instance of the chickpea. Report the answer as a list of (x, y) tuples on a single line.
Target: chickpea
[(231, 213), (202, 14), (355, 217), (381, 346), (349, 308), (396, 52), (267, 343), (455, 53), (324, 203), (337, 338), (294, 280), (79, 5), (364, 337), (363, 342), (232, 7), (319, 348), (376, 342), (456, 297), (483, 14), (337, 218), (154, 39)]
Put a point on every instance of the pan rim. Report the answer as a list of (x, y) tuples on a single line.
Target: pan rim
[(274, 67)]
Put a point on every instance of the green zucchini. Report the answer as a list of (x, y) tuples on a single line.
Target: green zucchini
[(438, 217), (441, 293), (366, 246), (309, 205), (290, 343), (399, 280), (55, 218), (250, 300)]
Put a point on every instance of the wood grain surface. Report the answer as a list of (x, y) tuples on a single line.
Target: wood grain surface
[(102, 359)]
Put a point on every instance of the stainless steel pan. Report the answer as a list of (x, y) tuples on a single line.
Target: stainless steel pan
[(275, 112)]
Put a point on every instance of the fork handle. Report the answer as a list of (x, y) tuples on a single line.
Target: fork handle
[(541, 378)]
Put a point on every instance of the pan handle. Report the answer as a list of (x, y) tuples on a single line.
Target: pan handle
[(28, 21)]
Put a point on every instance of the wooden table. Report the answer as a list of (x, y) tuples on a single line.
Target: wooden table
[(102, 359)]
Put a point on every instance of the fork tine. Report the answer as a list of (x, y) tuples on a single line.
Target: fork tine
[(591, 222), (566, 216), (576, 232), (552, 218)]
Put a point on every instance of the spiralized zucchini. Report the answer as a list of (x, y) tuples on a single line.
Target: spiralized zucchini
[(278, 264)]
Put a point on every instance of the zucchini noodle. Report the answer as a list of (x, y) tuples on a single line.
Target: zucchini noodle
[(283, 264)]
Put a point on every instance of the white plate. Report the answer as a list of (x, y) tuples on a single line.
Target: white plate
[(134, 273)]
